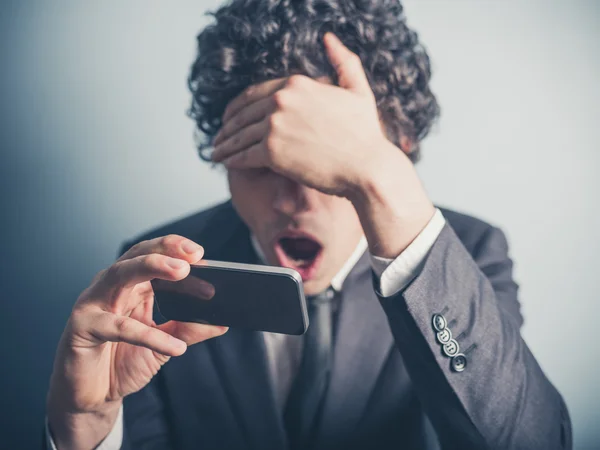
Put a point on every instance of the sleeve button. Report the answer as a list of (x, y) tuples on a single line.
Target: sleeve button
[(451, 348), (459, 362), (439, 322), (444, 336)]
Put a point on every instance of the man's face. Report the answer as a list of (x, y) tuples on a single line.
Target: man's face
[(296, 226)]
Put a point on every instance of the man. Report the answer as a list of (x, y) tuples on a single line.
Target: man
[(316, 109)]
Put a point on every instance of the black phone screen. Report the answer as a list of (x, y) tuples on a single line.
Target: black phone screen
[(259, 301)]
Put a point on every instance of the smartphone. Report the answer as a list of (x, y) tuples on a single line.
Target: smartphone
[(248, 296)]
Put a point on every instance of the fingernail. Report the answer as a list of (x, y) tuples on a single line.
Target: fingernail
[(190, 247), (179, 344), (176, 263)]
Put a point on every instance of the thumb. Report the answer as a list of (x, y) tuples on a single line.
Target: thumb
[(347, 64)]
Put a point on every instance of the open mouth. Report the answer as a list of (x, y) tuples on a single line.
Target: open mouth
[(299, 252)]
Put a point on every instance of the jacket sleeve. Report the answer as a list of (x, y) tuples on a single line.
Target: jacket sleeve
[(493, 394)]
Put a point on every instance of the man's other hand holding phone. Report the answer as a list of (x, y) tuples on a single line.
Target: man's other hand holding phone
[(111, 347)]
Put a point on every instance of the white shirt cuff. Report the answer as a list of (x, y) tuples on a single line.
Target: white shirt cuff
[(112, 441), (395, 274)]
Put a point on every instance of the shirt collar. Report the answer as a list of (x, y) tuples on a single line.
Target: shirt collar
[(338, 280)]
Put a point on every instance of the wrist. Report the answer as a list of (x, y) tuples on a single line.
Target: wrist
[(81, 430), (391, 202), (76, 424), (377, 173)]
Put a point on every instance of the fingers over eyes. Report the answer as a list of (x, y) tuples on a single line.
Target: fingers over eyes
[(239, 142), (251, 95)]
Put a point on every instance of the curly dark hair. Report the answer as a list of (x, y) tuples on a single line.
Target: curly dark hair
[(257, 40)]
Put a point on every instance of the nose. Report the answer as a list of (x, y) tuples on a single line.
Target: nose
[(291, 197)]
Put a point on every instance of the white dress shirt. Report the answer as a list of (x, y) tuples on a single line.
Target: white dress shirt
[(284, 351)]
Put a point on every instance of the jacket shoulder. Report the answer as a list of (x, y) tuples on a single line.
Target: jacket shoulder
[(470, 230), (203, 226)]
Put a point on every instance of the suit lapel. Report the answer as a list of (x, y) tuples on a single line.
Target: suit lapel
[(241, 360), (363, 343)]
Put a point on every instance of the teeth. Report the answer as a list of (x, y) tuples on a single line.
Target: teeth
[(301, 262)]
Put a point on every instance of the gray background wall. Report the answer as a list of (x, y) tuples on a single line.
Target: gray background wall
[(96, 147)]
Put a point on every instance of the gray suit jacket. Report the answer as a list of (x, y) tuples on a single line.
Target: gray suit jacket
[(392, 387)]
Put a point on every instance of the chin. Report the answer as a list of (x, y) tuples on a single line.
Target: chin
[(314, 287)]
